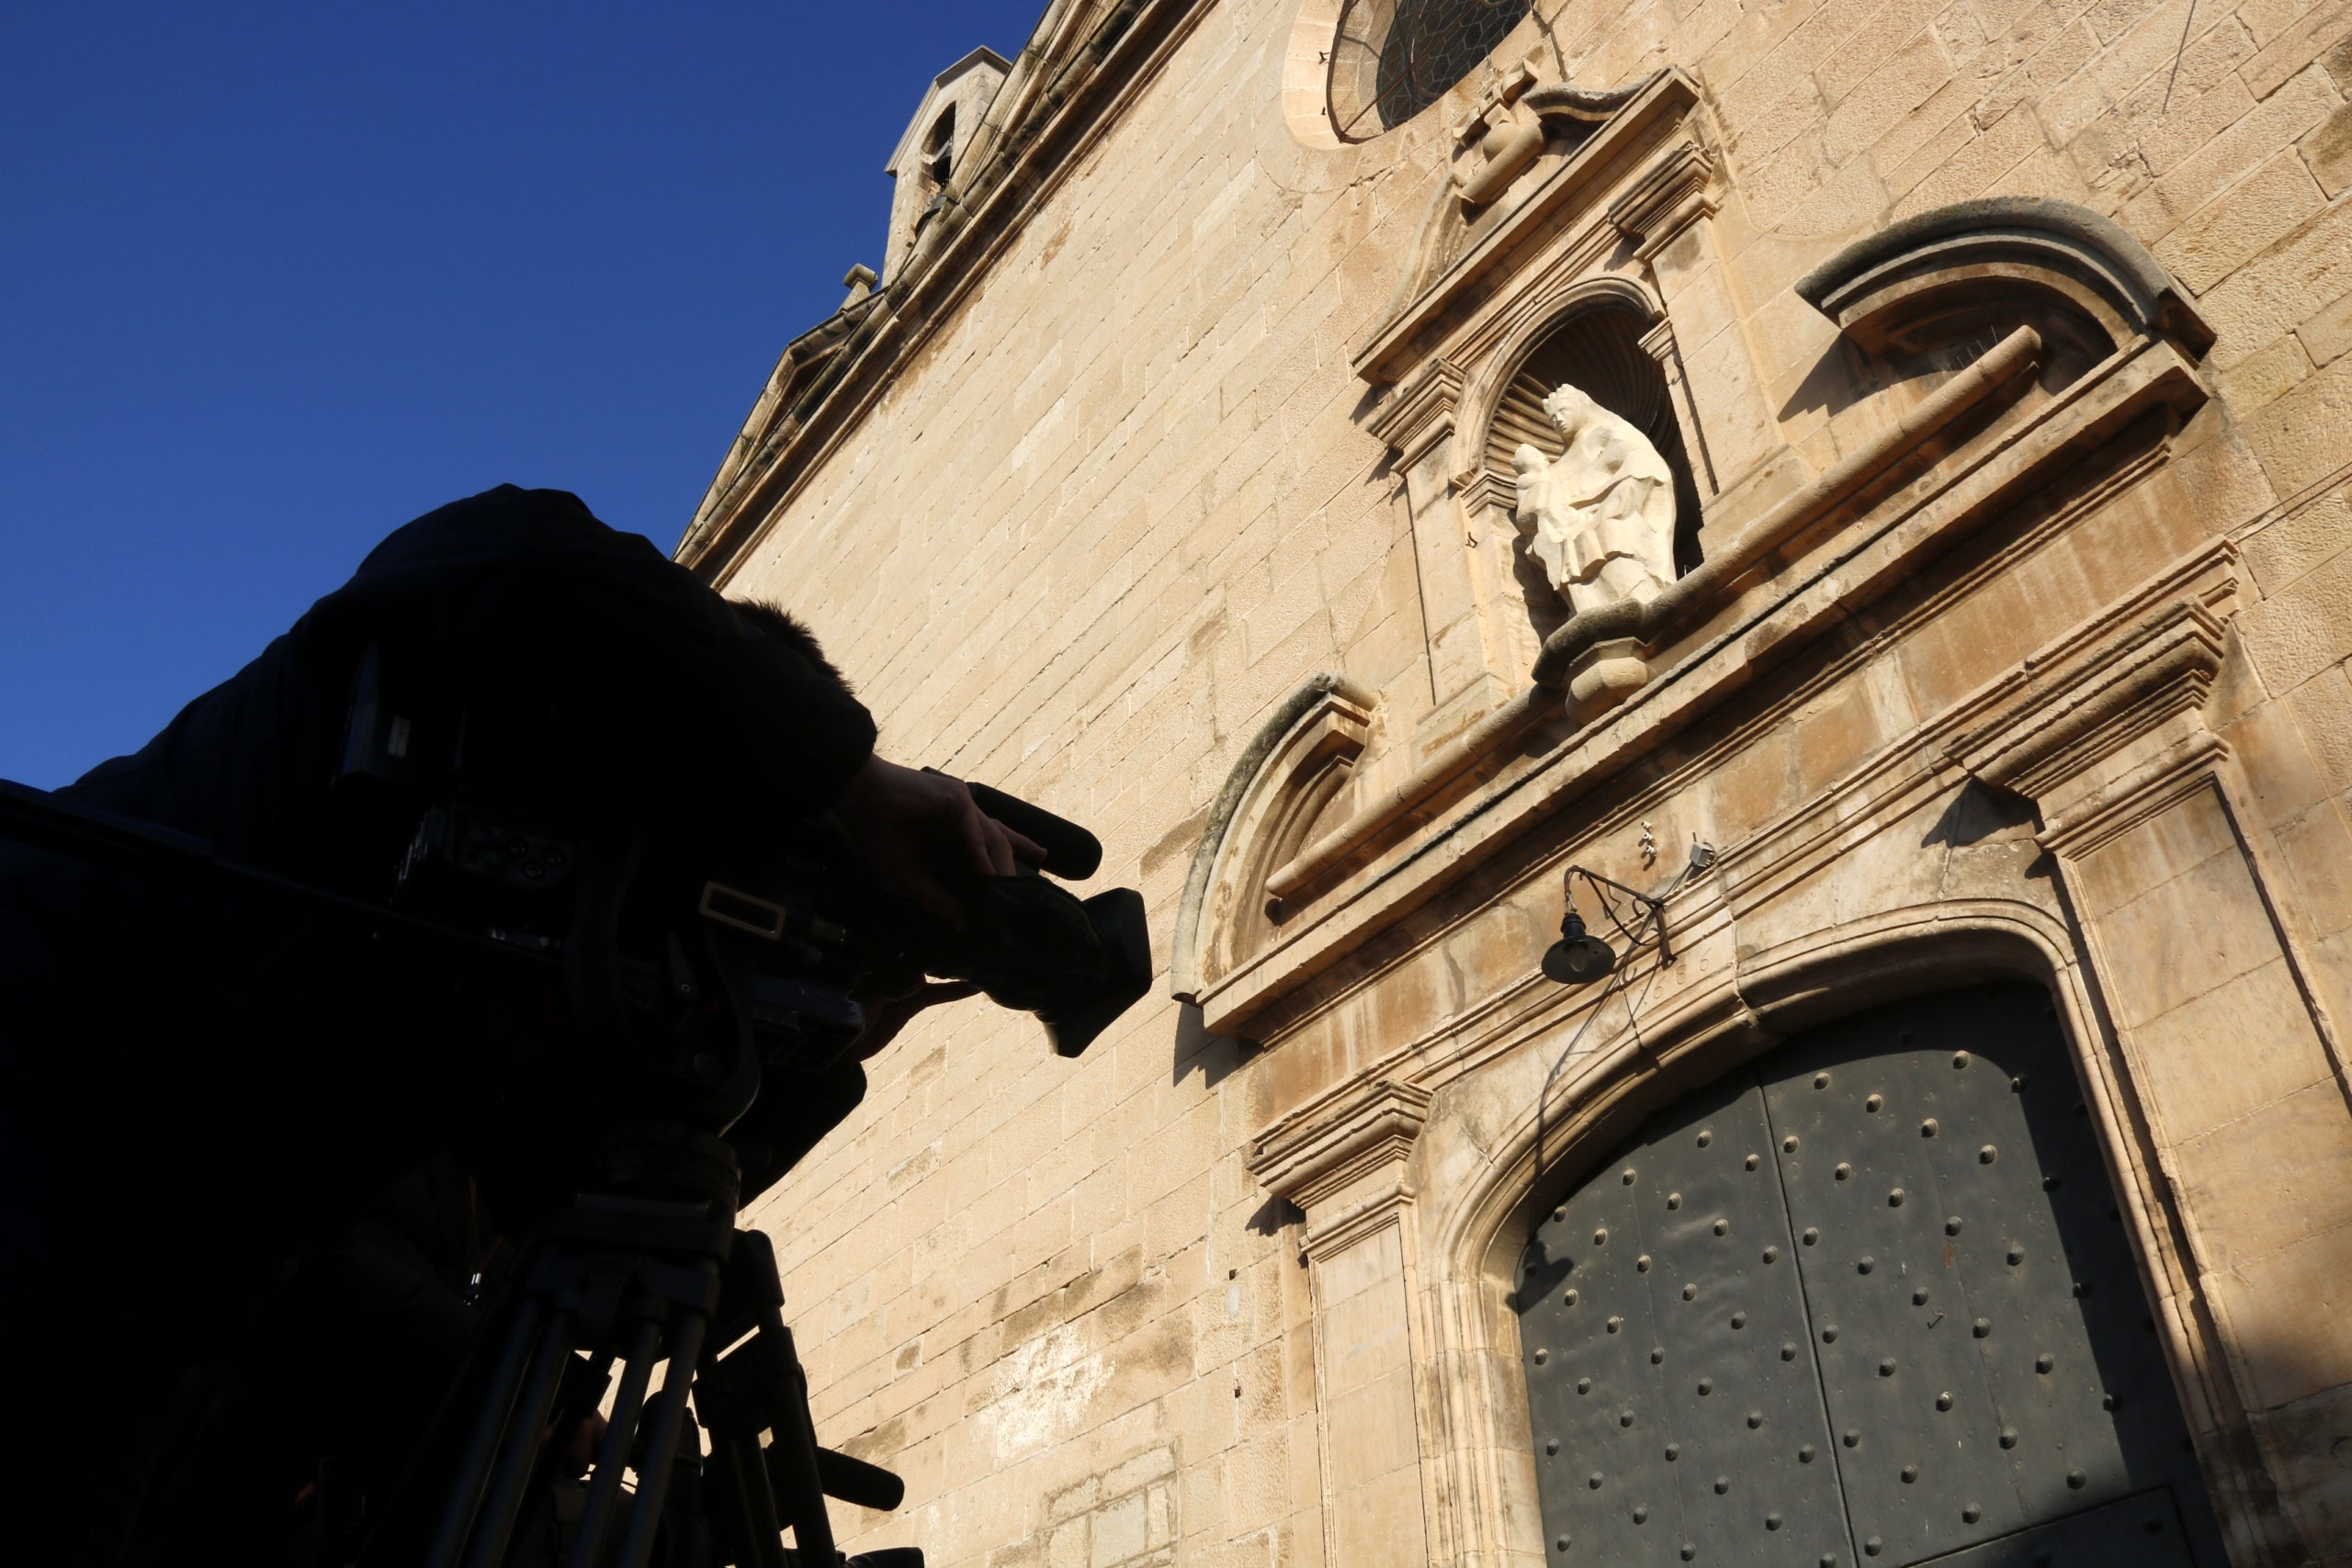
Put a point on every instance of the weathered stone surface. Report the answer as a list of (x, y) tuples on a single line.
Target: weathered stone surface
[(1094, 485)]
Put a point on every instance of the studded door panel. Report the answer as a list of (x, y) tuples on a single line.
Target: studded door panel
[(2143, 1531), (1892, 1246), (1677, 1413)]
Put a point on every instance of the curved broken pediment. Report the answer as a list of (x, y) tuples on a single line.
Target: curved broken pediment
[(1522, 127), (1285, 782), (1999, 263), (1531, 156)]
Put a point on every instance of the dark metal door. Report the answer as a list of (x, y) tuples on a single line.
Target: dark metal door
[(1869, 1301)]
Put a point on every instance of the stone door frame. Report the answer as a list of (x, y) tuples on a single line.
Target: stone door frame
[(1389, 1180)]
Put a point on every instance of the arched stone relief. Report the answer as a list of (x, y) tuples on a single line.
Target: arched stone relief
[(1291, 773), (1927, 294)]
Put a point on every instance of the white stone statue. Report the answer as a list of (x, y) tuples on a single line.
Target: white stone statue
[(1601, 513)]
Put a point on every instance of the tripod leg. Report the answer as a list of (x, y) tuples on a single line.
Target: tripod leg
[(525, 1433), (661, 1442), (792, 1462), (465, 1494), (613, 1453), (754, 1498)]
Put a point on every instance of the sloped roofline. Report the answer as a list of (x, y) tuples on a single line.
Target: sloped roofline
[(1084, 65)]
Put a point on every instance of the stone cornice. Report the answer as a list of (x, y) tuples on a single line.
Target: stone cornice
[(2107, 723), (1483, 487), (1419, 414), (2126, 687), (1057, 103), (1337, 1140), (1670, 194)]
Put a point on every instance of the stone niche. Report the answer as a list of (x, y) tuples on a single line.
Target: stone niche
[(1596, 348), (1587, 258)]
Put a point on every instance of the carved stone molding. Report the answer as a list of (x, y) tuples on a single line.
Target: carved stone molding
[(1354, 1145), (1672, 194), (1419, 414), (1499, 260), (1483, 489)]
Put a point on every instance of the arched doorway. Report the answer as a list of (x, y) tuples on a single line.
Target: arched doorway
[(1866, 1300)]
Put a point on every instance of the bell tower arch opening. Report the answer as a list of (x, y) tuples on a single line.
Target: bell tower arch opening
[(939, 148)]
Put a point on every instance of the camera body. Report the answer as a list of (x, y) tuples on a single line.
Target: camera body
[(698, 958), (798, 952)]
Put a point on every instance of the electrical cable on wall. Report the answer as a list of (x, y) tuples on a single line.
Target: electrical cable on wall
[(1639, 920)]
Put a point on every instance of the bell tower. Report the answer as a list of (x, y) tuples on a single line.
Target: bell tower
[(924, 161)]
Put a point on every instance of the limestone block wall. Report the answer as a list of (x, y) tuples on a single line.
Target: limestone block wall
[(1230, 1298)]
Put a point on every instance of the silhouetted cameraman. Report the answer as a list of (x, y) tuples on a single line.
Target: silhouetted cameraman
[(204, 1097)]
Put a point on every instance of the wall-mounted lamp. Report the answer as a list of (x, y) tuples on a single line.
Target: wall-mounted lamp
[(1579, 957)]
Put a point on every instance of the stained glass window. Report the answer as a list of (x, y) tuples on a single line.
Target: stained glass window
[(1394, 58)]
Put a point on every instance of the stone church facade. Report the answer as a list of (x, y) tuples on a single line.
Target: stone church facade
[(1923, 668)]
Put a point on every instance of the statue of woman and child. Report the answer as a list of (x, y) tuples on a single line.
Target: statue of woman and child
[(1600, 516)]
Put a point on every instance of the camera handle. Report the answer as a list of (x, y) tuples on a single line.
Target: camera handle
[(651, 1275)]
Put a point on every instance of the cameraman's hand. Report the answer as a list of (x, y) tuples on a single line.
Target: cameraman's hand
[(912, 826)]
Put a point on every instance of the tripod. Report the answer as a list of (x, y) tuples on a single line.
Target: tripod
[(648, 1274)]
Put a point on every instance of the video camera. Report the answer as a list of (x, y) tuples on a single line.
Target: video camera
[(700, 957), (699, 960)]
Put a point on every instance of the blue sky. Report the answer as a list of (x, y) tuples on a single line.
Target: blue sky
[(276, 278)]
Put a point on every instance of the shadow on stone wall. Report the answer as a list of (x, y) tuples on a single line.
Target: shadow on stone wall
[(1197, 1049)]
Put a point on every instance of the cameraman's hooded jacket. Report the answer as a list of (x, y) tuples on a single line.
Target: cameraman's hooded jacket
[(231, 1074)]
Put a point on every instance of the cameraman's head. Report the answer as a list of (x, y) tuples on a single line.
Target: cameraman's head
[(778, 626)]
